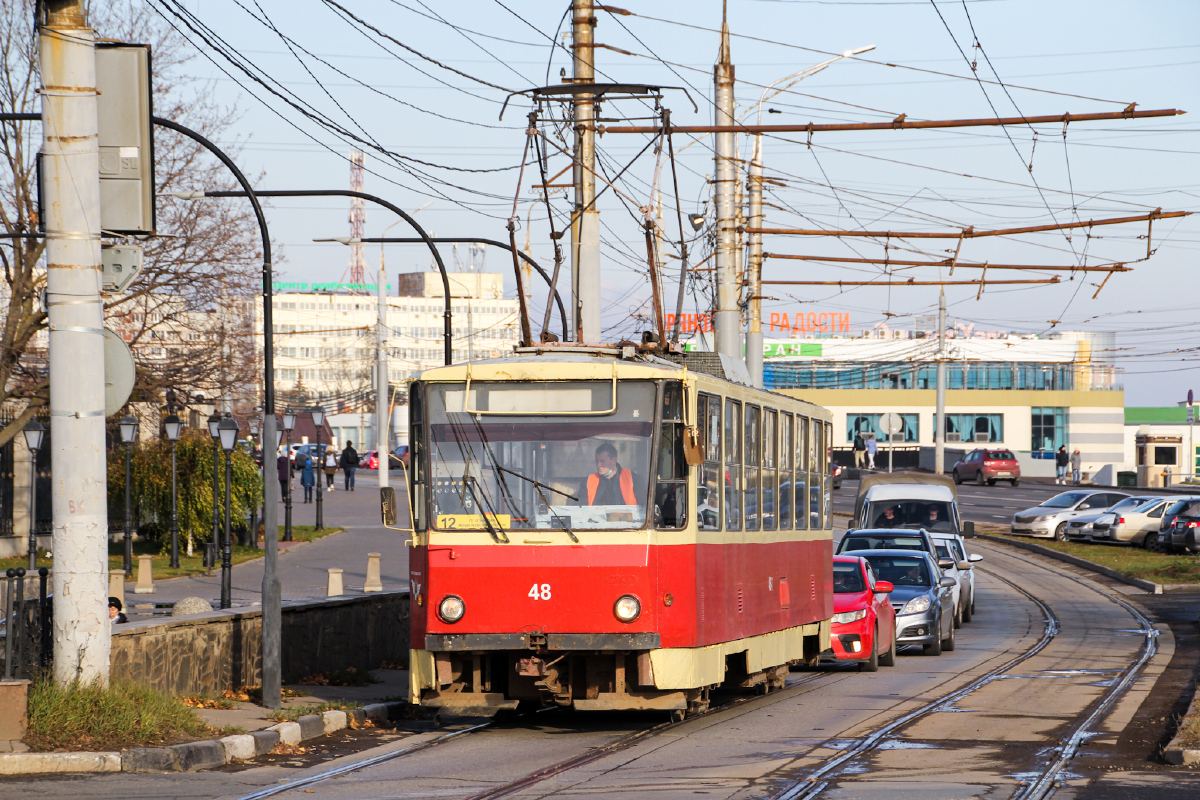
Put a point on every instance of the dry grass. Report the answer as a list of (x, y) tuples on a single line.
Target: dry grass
[(1132, 561), (1189, 728), (293, 713)]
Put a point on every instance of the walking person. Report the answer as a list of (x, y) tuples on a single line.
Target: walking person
[(308, 479), (860, 449), (331, 466), (283, 468), (1061, 460), (872, 447), (349, 463), (1076, 465)]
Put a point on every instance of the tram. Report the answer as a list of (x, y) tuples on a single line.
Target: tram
[(604, 529)]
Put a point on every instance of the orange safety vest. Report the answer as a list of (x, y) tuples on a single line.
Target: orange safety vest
[(626, 483)]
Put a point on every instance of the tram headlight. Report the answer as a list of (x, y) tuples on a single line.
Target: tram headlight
[(627, 608), (451, 609)]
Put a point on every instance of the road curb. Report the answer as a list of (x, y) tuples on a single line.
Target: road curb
[(1175, 753), (193, 756), (1149, 586)]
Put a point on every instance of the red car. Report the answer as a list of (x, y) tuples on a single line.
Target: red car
[(988, 466), (864, 622)]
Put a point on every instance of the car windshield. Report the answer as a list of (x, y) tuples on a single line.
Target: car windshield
[(1130, 503), (882, 542), (561, 454), (1000, 455), (1064, 500), (847, 578), (901, 570), (934, 516)]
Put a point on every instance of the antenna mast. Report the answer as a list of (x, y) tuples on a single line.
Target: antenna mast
[(358, 219)]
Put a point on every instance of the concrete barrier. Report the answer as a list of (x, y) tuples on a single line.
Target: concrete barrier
[(373, 583), (333, 587), (145, 575)]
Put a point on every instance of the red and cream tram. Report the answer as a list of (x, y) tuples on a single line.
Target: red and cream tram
[(604, 530)]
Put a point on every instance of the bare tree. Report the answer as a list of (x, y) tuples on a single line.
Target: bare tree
[(184, 316)]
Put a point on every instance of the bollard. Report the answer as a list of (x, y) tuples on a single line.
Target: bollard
[(116, 585), (15, 627), (145, 575), (11, 574), (373, 583), (334, 589)]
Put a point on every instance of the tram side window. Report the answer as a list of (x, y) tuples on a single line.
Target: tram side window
[(753, 451), (801, 482), (708, 490), (785, 471), (769, 427), (816, 469), (670, 494), (733, 465), (416, 422), (827, 466)]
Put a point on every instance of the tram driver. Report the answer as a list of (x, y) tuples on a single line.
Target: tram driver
[(611, 484)]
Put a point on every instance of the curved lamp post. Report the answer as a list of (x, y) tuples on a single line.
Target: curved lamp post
[(289, 422), (318, 418), (173, 426), (129, 431), (34, 433), (227, 436)]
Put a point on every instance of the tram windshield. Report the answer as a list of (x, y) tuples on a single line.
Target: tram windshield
[(564, 455)]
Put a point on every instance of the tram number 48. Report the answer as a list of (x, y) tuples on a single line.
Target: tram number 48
[(540, 592)]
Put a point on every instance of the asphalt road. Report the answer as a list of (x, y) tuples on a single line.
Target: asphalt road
[(975, 722)]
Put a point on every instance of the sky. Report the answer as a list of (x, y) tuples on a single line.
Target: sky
[(420, 86)]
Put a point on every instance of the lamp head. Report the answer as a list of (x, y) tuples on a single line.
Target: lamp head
[(34, 433), (289, 418), (173, 426), (213, 422), (697, 221), (227, 430), (318, 416), (129, 429)]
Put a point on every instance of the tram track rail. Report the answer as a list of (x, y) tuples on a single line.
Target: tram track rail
[(815, 781)]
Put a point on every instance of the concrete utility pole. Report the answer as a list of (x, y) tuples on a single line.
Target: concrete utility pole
[(727, 320), (939, 423), (71, 186), (754, 336), (381, 377), (585, 230)]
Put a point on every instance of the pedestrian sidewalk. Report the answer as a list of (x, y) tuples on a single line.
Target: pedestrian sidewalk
[(303, 566)]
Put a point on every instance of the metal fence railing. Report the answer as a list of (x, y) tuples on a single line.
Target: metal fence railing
[(27, 623)]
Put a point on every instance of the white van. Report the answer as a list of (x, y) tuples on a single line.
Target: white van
[(908, 500)]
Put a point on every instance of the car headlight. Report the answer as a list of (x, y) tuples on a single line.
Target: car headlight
[(916, 605), (849, 616), (627, 608), (1040, 519), (452, 608)]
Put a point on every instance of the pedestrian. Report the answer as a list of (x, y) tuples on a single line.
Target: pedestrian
[(115, 615), (331, 465), (1076, 464), (872, 447), (860, 449), (1061, 460), (283, 467), (349, 463), (308, 479)]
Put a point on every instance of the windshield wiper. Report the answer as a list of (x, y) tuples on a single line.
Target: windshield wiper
[(497, 535), (538, 484)]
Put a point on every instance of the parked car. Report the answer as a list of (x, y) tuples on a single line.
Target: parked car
[(988, 466), (1161, 543), (907, 500), (371, 460), (1186, 522), (1129, 518), (954, 547), (921, 597), (879, 539), (864, 622), (835, 474), (401, 454), (1049, 520)]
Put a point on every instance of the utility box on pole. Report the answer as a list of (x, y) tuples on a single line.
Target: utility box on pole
[(126, 140)]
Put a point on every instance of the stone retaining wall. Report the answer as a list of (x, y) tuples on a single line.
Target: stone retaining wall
[(209, 653)]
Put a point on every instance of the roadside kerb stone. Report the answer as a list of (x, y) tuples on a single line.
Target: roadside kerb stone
[(333, 721), (41, 763), (311, 726), (264, 741), (289, 732), (1175, 753), (149, 759), (1149, 586), (239, 747), (355, 717), (199, 755), (377, 710)]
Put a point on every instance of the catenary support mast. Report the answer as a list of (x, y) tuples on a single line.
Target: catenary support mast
[(727, 319), (585, 228), (939, 423), (71, 186)]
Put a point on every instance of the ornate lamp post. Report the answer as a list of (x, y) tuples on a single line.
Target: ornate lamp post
[(213, 423), (255, 425), (173, 426), (289, 422), (129, 430), (318, 418), (34, 433), (227, 431)]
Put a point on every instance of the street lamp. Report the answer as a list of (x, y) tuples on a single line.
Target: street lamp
[(289, 422), (318, 418), (214, 423), (129, 431), (34, 433), (173, 426), (227, 433)]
